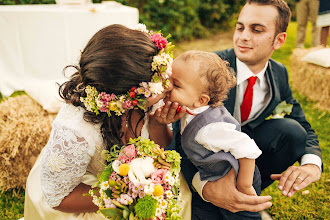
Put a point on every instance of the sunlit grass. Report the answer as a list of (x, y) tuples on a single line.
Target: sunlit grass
[(314, 205)]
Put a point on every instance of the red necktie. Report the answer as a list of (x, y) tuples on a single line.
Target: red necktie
[(248, 97)]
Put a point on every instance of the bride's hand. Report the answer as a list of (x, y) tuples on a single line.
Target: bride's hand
[(159, 130), (168, 113)]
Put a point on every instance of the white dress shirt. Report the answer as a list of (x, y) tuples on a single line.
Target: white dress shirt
[(261, 91)]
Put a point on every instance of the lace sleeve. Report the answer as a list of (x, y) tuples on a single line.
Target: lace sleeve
[(64, 162)]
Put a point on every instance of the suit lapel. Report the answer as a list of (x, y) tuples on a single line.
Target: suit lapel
[(230, 102)]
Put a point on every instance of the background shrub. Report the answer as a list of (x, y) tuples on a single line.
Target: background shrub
[(184, 19)]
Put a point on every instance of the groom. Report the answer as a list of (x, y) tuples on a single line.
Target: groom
[(260, 30)]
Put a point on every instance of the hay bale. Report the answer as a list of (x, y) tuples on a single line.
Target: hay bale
[(24, 130), (309, 79)]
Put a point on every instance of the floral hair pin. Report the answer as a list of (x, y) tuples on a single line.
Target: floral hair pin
[(136, 97)]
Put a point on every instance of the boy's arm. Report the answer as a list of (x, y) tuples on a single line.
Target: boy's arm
[(245, 176)]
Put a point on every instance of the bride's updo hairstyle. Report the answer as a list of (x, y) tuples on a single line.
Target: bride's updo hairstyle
[(115, 59)]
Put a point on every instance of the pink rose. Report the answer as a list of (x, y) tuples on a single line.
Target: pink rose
[(127, 154), (159, 40), (158, 177)]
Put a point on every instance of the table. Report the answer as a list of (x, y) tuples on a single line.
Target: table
[(38, 41)]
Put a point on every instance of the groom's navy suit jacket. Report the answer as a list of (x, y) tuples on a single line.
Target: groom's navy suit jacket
[(277, 77)]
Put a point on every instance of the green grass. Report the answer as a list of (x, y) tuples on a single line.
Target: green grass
[(12, 204), (314, 205)]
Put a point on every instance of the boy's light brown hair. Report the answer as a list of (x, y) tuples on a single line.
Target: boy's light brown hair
[(215, 74)]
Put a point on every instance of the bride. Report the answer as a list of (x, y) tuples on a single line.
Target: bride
[(122, 73)]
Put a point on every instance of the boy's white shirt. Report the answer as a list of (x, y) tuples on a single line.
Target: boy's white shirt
[(219, 136)]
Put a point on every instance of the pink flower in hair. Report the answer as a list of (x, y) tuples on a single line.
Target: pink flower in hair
[(159, 40), (128, 104)]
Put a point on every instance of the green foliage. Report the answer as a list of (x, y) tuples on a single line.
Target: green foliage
[(146, 207), (170, 215), (16, 93), (174, 158), (217, 14), (104, 176), (113, 213), (144, 145), (185, 19)]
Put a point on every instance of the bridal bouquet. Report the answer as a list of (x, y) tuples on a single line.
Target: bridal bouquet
[(140, 182)]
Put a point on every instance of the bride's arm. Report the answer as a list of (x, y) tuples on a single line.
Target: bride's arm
[(158, 123), (64, 163), (75, 202)]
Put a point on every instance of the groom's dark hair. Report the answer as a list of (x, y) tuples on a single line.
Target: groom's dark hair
[(114, 60), (284, 13)]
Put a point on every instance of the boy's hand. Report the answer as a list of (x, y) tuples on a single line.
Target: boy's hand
[(248, 190)]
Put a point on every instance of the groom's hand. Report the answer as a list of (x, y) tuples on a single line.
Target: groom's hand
[(223, 193), (296, 178)]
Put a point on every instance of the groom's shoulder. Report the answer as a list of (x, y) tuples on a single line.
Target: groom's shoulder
[(226, 54)]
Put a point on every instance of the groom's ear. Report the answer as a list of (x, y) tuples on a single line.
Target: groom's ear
[(203, 100), (279, 40)]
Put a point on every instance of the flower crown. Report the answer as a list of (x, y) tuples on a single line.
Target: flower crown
[(136, 97)]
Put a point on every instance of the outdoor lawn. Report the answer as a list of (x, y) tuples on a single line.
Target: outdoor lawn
[(314, 205)]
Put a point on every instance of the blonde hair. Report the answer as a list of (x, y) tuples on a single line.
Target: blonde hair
[(214, 74)]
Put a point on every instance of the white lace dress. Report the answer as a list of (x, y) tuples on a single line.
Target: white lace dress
[(71, 156)]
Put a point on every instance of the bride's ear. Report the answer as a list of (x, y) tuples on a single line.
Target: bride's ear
[(203, 100)]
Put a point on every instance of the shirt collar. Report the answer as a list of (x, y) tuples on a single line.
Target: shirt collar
[(186, 119), (243, 72), (199, 110)]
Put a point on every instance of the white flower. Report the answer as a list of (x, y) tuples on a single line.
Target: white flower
[(169, 178), (115, 166), (277, 116), (168, 71), (171, 181), (122, 99), (99, 103), (159, 212), (163, 204), (56, 162), (141, 27), (156, 88), (168, 194), (149, 189), (104, 185)]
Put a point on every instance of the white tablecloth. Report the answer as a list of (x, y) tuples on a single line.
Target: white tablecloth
[(38, 41)]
